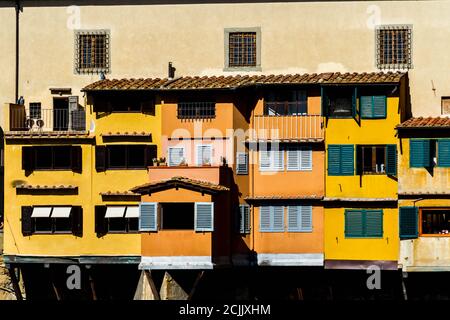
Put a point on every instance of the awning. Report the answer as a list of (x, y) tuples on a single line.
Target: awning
[(61, 212), (132, 212), (41, 212), (115, 212)]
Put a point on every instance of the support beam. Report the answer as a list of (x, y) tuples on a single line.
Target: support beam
[(15, 283), (55, 288), (155, 291), (194, 287), (91, 283)]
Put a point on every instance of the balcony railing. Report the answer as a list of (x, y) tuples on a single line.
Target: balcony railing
[(45, 120), (290, 127)]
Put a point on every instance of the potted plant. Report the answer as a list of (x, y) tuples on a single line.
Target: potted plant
[(162, 162), (183, 163), (155, 162)]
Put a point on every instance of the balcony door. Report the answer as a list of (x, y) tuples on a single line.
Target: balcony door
[(60, 114)]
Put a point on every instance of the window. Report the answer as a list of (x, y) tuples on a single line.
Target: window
[(35, 110), (339, 102), (299, 159), (203, 154), (421, 153), (443, 150), (408, 222), (132, 157), (271, 160), (52, 220), (196, 110), (285, 103), (175, 156), (340, 160), (435, 221), (373, 107), (376, 159), (116, 219), (242, 49), (394, 46), (52, 158), (244, 219), (363, 223), (271, 219), (299, 218), (177, 216), (92, 51), (241, 163), (445, 105)]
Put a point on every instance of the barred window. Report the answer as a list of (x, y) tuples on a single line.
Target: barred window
[(242, 49), (92, 51), (394, 47), (196, 110), (35, 110)]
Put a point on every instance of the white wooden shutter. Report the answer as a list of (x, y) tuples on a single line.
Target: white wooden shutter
[(264, 219), (241, 163), (203, 154), (306, 218), (148, 216), (204, 216), (175, 156), (244, 225), (277, 160), (293, 159), (264, 160), (305, 158), (294, 218), (278, 218)]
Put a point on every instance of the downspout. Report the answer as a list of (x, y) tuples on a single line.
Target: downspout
[(18, 9)]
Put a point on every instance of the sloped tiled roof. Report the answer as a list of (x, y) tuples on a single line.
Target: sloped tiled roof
[(179, 182), (237, 81), (278, 197), (428, 122), (46, 187)]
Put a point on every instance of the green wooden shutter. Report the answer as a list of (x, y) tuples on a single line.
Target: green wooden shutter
[(373, 223), (100, 158), (419, 153), (77, 159), (77, 221), (366, 106), (264, 219), (443, 153), (347, 160), (334, 160), (204, 216), (354, 224), (379, 106), (100, 221), (408, 217), (391, 159), (148, 216)]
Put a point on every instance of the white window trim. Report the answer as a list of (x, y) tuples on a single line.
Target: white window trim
[(212, 217), (272, 161), (246, 163), (168, 154), (156, 218)]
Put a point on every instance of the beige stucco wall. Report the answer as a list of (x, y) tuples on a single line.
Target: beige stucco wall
[(296, 38)]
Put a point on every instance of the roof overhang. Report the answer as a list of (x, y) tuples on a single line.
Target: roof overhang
[(180, 182)]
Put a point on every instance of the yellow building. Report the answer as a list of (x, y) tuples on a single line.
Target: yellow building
[(361, 221)]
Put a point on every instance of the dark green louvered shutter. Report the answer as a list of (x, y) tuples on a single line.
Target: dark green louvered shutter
[(443, 153), (373, 223), (419, 153), (379, 106), (148, 216), (391, 159), (366, 106), (354, 224), (408, 217), (347, 160), (204, 216), (334, 160), (356, 109)]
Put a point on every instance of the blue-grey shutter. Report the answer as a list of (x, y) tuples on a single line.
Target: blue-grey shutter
[(443, 153), (306, 218), (379, 106), (408, 217), (148, 216), (264, 161), (278, 160), (354, 223), (241, 163), (305, 158), (373, 223), (278, 218), (334, 160), (419, 153), (391, 159), (294, 218), (204, 216), (244, 218), (366, 106), (264, 219), (293, 159), (347, 160), (175, 156)]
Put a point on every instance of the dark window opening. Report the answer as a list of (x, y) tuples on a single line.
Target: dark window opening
[(129, 157), (53, 158), (285, 103), (43, 157), (122, 225), (339, 102), (436, 222), (62, 158), (35, 110), (196, 110), (371, 159), (242, 49), (117, 156), (177, 216), (52, 225), (124, 102)]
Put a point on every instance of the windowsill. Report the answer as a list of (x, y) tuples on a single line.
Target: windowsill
[(434, 235), (340, 117), (253, 68), (347, 237), (374, 118), (112, 169), (373, 174), (53, 169), (122, 232), (52, 233)]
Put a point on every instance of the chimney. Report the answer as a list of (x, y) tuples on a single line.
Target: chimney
[(171, 71)]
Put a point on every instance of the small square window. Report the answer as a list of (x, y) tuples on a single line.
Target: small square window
[(35, 110), (445, 105), (394, 47), (243, 49), (92, 51)]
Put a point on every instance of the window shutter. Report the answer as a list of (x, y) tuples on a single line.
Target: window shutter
[(444, 153), (353, 224), (278, 218), (27, 222), (294, 218), (419, 153), (373, 223), (264, 219), (264, 161), (204, 216), (379, 106), (408, 222), (100, 221), (148, 107), (204, 154), (391, 159), (148, 216), (347, 160), (244, 219), (306, 158), (77, 159), (100, 158), (306, 218), (150, 154), (334, 160), (77, 221), (27, 159), (278, 160), (293, 159), (176, 155), (242, 163), (366, 106)]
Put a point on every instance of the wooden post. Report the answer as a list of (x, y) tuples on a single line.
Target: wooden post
[(405, 293), (194, 287), (91, 283), (152, 284), (55, 288), (15, 283), (300, 293)]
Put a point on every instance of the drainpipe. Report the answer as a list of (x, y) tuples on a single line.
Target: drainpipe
[(18, 9)]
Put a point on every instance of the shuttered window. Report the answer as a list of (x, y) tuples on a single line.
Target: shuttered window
[(241, 163), (363, 223), (204, 216), (299, 218), (203, 154), (175, 156), (373, 107), (148, 218), (341, 160), (299, 158), (443, 153), (419, 153), (244, 219), (271, 219), (408, 217), (272, 160), (391, 159)]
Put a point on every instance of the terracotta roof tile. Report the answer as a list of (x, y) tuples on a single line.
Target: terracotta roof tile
[(126, 134), (119, 193), (179, 182), (46, 187), (437, 122), (236, 81), (278, 197)]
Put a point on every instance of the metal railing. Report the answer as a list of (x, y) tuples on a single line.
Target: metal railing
[(20, 119), (292, 127)]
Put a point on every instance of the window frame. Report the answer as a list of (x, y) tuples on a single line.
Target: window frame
[(52, 167), (52, 223), (272, 167), (100, 32), (199, 162), (364, 226), (420, 222), (227, 32), (168, 155), (195, 108), (127, 156), (409, 47)]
